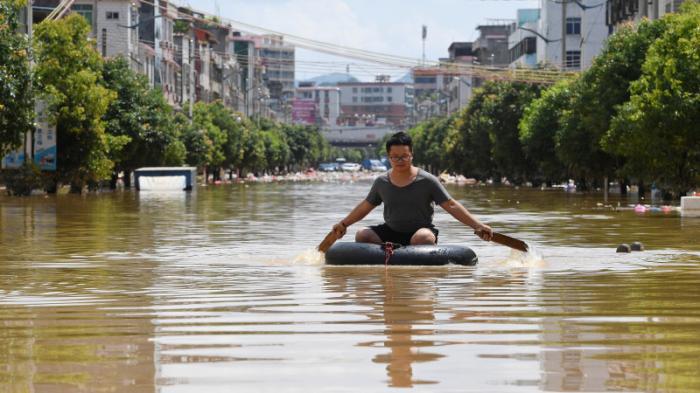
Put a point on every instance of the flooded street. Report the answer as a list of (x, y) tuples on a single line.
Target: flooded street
[(219, 290)]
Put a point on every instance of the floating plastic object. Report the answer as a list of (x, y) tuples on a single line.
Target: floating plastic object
[(624, 248), (640, 209), (690, 206), (637, 246), (666, 209)]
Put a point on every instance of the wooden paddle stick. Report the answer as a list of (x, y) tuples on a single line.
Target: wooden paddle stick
[(327, 241), (509, 242)]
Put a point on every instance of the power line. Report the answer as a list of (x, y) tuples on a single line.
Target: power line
[(388, 60)]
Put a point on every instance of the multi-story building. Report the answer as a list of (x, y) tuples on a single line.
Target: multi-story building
[(459, 86), (491, 47), (522, 42), (188, 55), (380, 102), (318, 105), (184, 41), (434, 89), (570, 34), (155, 29), (114, 25), (621, 11), (253, 93), (278, 59)]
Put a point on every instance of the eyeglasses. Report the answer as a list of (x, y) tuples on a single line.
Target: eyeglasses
[(401, 159)]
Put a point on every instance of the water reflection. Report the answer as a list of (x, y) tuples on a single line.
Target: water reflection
[(152, 292), (57, 333), (406, 308)]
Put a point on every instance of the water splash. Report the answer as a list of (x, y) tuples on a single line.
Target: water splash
[(528, 260), (309, 257)]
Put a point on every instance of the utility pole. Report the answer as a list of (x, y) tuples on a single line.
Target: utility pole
[(191, 81), (563, 34), (29, 139), (424, 35)]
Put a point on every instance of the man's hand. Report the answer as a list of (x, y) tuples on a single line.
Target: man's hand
[(340, 229), (484, 232)]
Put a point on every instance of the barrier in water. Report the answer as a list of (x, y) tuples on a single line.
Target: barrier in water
[(165, 178), (690, 206)]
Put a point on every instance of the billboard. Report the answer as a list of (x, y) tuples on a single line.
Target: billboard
[(44, 145), (303, 111)]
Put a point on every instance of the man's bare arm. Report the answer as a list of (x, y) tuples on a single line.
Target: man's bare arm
[(359, 212), (462, 215)]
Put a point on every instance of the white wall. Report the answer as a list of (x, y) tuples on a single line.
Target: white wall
[(594, 31), (349, 96)]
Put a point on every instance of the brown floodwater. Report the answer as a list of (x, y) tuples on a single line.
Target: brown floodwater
[(219, 290)]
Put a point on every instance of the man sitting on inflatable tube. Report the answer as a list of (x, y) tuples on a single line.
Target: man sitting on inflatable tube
[(408, 194)]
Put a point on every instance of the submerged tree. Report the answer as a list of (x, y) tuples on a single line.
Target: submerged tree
[(657, 130), (538, 131), (16, 98), (69, 72), (141, 118)]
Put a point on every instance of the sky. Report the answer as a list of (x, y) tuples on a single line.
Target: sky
[(386, 26)]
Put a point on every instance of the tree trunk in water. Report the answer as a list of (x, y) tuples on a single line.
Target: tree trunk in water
[(605, 189)]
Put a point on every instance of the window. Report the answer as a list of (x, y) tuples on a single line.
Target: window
[(573, 26), (112, 15), (354, 99), (84, 10), (104, 42), (354, 89), (425, 79), (524, 47), (573, 59), (388, 89), (389, 99)]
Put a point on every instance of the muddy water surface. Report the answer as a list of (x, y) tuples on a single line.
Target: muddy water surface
[(219, 290)]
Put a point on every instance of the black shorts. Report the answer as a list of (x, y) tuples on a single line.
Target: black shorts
[(389, 235)]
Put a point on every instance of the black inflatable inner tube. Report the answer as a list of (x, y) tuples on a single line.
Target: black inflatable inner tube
[(347, 253)]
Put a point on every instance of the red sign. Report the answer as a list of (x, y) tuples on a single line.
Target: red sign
[(304, 111)]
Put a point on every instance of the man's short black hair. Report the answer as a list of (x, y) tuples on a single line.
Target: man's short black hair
[(400, 139)]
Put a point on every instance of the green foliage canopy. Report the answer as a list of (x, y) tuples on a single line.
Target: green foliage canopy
[(69, 73), (16, 95), (657, 130)]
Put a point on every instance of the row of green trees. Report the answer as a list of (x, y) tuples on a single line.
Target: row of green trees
[(634, 115), (109, 120)]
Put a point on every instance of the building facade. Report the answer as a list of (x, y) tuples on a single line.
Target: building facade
[(319, 105), (278, 59), (570, 34), (522, 41), (380, 102), (618, 12)]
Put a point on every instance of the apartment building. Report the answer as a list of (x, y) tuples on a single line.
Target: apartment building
[(277, 58), (379, 102), (522, 41), (619, 12), (571, 34), (319, 105), (189, 55), (156, 28)]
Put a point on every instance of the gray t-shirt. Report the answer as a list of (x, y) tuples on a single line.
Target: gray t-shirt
[(409, 208)]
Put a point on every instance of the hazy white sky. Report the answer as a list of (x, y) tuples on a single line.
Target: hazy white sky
[(387, 26)]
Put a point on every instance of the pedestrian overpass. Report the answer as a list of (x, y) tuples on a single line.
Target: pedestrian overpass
[(356, 135)]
